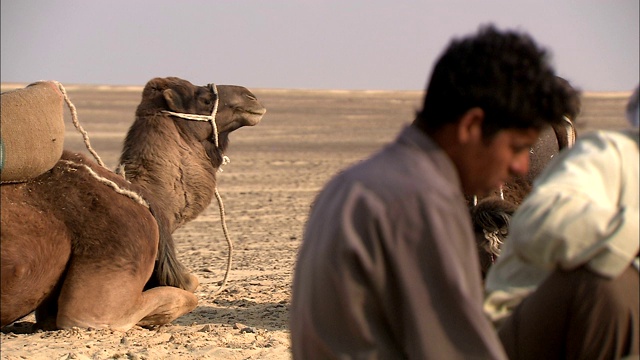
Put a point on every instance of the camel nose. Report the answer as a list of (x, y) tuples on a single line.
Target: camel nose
[(255, 115)]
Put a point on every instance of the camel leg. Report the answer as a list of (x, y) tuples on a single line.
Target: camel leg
[(164, 304), (191, 285), (34, 253), (157, 306), (114, 298)]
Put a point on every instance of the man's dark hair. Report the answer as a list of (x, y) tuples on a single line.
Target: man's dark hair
[(574, 102), (504, 73)]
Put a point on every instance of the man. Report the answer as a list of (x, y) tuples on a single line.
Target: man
[(388, 267), (568, 261)]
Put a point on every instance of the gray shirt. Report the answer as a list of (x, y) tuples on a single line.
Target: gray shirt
[(389, 267)]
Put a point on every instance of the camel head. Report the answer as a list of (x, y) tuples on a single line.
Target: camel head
[(237, 106), (174, 116)]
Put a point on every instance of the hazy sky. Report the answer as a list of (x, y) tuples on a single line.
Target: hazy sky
[(334, 44)]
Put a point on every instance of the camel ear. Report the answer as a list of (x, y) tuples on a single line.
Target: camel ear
[(174, 101), (470, 126), (153, 88)]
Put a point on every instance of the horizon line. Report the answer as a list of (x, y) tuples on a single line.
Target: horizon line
[(7, 86)]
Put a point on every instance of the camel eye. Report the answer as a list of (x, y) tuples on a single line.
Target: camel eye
[(207, 102)]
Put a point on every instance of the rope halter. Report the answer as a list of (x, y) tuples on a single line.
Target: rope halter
[(210, 118), (225, 160)]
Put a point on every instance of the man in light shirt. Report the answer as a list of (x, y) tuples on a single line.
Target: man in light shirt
[(566, 282)]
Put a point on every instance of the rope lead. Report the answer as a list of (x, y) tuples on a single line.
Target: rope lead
[(76, 123), (225, 160)]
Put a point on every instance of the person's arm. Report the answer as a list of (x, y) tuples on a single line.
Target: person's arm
[(577, 213)]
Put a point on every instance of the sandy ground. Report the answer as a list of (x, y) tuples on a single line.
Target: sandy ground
[(276, 169)]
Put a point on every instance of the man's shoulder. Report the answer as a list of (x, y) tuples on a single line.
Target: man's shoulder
[(618, 138)]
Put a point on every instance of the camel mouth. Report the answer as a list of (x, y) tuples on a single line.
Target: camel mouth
[(252, 116), (257, 112)]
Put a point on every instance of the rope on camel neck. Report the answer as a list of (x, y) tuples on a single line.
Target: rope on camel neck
[(131, 194), (210, 118), (225, 160)]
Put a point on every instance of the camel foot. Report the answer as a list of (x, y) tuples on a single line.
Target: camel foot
[(167, 304)]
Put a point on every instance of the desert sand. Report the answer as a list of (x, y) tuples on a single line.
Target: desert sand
[(276, 169)]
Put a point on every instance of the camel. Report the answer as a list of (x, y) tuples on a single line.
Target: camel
[(87, 247)]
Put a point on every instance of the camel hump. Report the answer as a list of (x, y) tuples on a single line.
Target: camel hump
[(32, 125)]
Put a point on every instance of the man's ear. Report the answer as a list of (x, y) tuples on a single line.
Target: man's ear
[(470, 126)]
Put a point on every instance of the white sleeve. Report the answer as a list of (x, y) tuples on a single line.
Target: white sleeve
[(583, 210), (578, 212)]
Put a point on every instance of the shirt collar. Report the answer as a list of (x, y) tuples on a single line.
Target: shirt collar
[(413, 137)]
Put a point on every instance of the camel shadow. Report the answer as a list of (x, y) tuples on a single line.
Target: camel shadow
[(245, 312), (20, 328)]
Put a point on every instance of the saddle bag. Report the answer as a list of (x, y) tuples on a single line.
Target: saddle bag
[(31, 131)]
